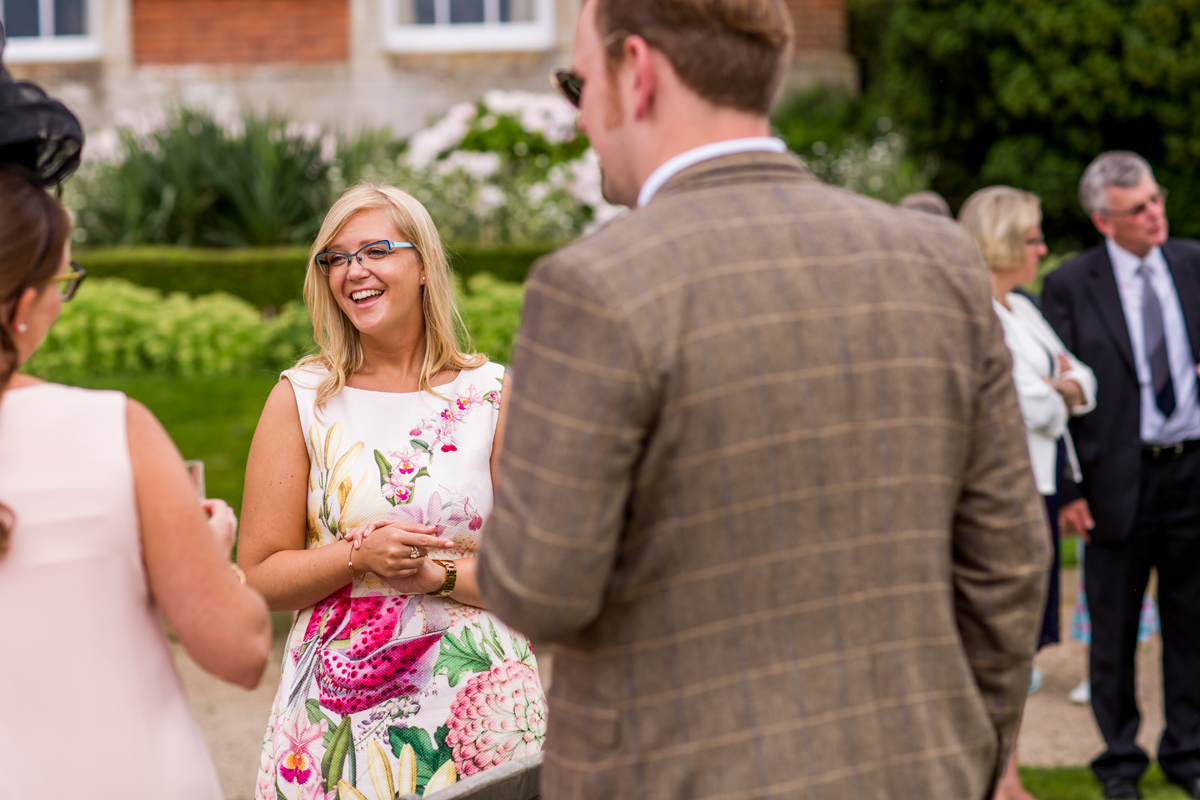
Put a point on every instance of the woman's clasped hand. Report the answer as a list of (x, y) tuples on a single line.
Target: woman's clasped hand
[(395, 551)]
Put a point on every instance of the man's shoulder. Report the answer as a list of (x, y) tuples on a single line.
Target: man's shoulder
[(1072, 269), (1186, 250)]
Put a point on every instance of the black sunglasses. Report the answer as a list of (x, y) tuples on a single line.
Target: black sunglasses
[(568, 84), (567, 81)]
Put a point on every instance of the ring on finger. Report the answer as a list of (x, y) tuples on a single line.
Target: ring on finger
[(416, 553)]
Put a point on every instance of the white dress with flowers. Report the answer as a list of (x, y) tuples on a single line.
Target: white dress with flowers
[(381, 692)]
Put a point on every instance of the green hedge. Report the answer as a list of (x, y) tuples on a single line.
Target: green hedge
[(268, 276)]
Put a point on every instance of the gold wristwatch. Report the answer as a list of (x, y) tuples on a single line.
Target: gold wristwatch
[(451, 576)]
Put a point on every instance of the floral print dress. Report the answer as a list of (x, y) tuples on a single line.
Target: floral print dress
[(384, 693)]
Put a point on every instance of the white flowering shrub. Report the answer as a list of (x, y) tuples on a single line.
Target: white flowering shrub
[(509, 169)]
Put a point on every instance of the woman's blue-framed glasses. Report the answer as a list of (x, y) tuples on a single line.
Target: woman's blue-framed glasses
[(375, 251)]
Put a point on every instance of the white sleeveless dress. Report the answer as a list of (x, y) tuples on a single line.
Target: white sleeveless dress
[(383, 691)]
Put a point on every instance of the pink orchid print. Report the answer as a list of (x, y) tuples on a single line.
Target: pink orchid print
[(436, 512), (470, 397), (296, 762), (406, 461), (361, 658)]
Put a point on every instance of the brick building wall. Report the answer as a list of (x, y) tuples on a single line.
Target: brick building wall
[(820, 25), (239, 31)]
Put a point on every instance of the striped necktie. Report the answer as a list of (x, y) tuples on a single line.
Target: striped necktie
[(1156, 344)]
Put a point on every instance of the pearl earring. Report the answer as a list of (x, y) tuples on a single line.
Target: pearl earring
[(22, 328)]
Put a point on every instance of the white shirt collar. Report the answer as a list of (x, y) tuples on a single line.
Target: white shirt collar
[(673, 166), (1126, 264)]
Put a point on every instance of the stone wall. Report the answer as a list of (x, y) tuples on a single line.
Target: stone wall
[(326, 61)]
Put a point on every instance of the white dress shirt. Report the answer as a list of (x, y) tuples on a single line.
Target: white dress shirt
[(1035, 347), (671, 167), (1185, 422)]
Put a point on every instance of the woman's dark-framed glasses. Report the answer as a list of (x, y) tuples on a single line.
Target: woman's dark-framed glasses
[(569, 85), (375, 251), (68, 283)]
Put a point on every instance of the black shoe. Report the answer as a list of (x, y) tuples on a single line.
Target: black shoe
[(1190, 785), (1119, 788)]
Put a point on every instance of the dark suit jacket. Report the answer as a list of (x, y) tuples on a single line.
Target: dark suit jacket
[(1081, 301), (766, 487)]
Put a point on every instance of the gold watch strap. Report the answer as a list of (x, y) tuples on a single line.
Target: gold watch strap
[(451, 576)]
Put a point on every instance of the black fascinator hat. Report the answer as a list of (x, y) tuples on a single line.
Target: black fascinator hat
[(39, 136)]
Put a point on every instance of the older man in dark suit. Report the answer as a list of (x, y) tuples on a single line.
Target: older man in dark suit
[(765, 486), (1130, 308)]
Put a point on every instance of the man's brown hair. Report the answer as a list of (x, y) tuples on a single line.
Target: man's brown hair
[(733, 53)]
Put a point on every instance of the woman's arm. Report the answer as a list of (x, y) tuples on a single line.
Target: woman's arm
[(223, 625), (274, 521)]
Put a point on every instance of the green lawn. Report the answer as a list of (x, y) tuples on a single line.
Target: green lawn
[(1078, 783), (212, 419)]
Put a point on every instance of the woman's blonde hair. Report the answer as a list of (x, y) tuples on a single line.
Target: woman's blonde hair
[(447, 343), (999, 217)]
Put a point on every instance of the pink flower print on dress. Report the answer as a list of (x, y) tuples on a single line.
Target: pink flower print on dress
[(415, 432), (406, 461), (498, 716), (470, 397), (476, 521), (400, 490), (432, 514), (377, 664), (296, 763)]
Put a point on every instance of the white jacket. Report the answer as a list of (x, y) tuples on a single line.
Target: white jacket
[(1034, 346)]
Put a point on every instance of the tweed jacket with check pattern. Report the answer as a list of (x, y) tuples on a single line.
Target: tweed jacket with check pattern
[(766, 490)]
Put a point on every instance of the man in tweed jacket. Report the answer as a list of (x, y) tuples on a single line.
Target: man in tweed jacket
[(765, 487)]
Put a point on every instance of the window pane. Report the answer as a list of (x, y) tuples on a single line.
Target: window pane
[(466, 11), (69, 18), (518, 11), (423, 12), (21, 17)]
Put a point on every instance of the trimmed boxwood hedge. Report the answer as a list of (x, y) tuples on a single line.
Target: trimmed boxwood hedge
[(268, 276)]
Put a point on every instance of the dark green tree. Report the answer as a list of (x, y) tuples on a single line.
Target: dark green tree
[(1027, 92)]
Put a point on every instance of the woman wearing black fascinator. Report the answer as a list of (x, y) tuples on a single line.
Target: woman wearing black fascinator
[(100, 531)]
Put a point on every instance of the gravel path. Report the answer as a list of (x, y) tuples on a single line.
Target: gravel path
[(1054, 732)]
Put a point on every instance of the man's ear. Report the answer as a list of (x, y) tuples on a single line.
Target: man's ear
[(644, 75), (1103, 224)]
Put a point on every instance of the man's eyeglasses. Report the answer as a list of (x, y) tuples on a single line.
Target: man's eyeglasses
[(567, 81), (1034, 241), (68, 283), (1157, 199), (375, 251)]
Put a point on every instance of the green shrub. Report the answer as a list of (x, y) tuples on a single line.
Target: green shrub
[(268, 277), (491, 309), (1026, 92), (116, 328), (195, 182), (851, 142)]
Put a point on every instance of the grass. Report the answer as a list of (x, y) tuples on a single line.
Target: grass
[(209, 419), (1078, 783)]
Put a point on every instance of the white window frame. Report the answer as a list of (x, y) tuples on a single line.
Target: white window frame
[(48, 48), (470, 37)]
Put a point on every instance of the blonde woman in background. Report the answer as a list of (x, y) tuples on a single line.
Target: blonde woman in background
[(1052, 385), (368, 483)]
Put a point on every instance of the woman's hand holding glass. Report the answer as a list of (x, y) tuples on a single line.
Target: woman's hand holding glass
[(394, 550), (222, 522)]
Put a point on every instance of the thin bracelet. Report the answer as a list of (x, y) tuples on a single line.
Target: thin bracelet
[(241, 575), (353, 574)]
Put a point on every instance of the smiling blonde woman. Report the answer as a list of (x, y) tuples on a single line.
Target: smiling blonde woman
[(369, 480)]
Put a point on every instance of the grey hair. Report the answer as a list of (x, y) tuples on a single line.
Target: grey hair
[(1115, 168)]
